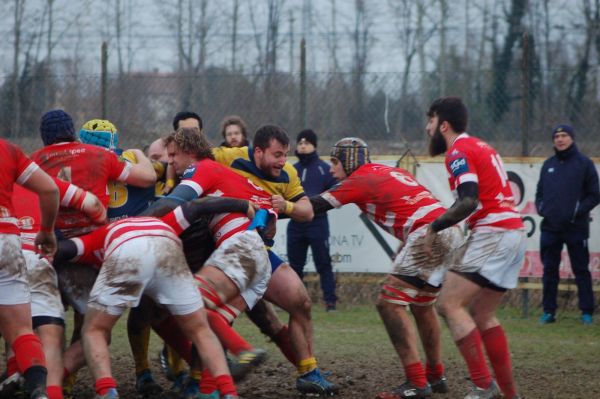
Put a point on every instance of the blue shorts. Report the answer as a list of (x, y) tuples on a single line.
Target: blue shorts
[(275, 260)]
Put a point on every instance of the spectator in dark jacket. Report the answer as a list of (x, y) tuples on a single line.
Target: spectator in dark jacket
[(315, 177), (566, 193)]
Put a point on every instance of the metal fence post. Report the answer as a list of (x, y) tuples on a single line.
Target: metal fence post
[(303, 116), (524, 134), (104, 80)]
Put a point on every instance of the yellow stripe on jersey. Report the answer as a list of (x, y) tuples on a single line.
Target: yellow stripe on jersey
[(239, 159)]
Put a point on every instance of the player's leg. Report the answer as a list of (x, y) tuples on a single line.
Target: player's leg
[(15, 316), (96, 331), (287, 291), (396, 295)]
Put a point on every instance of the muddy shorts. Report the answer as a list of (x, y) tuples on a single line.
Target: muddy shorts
[(43, 283), (412, 261), (495, 255), (244, 259), (14, 287), (150, 265)]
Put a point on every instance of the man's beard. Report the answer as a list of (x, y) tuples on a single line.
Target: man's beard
[(437, 143)]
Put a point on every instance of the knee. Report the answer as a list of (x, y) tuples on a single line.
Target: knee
[(442, 308), (302, 304)]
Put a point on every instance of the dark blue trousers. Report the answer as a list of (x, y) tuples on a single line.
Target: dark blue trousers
[(550, 249), (316, 235)]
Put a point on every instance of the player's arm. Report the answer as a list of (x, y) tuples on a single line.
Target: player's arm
[(468, 199), (72, 196), (298, 209), (180, 195), (142, 172), (320, 205), (186, 214), (43, 185)]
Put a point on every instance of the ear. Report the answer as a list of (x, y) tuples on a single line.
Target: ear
[(444, 127)]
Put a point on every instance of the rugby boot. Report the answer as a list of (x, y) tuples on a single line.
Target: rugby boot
[(10, 386), (245, 362), (407, 391), (314, 382), (191, 389), (230, 396), (179, 382), (111, 394), (145, 384), (440, 386), (213, 395), (491, 392), (39, 393)]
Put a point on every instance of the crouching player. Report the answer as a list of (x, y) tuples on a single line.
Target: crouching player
[(392, 198), (143, 255)]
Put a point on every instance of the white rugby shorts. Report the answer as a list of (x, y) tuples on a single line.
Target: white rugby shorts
[(496, 255), (244, 259), (150, 265), (43, 284), (14, 287), (412, 261)]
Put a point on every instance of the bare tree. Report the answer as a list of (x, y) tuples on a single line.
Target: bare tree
[(17, 32)]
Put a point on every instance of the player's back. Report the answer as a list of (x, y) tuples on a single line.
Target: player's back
[(89, 167), (472, 159), (391, 197)]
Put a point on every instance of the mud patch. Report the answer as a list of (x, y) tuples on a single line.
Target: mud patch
[(12, 262), (122, 274)]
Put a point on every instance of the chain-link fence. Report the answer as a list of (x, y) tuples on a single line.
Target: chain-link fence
[(515, 112)]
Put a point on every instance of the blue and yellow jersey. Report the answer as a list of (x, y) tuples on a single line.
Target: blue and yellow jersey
[(125, 200), (241, 160)]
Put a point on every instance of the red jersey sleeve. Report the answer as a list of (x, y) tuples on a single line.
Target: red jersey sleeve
[(25, 167), (118, 168), (350, 190), (200, 177), (90, 244)]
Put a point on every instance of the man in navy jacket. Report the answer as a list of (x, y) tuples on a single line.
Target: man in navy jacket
[(566, 193), (315, 177)]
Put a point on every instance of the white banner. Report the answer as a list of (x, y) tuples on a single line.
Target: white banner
[(354, 248)]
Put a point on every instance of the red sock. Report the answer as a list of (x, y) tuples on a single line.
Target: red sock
[(229, 338), (104, 384), (416, 374), (54, 392), (174, 337), (435, 372), (282, 340), (496, 346), (208, 384), (471, 349), (11, 366), (28, 352), (225, 384)]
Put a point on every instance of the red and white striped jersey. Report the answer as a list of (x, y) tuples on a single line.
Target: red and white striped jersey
[(26, 204), (209, 178), (87, 166), (15, 167), (94, 247), (470, 159), (391, 197)]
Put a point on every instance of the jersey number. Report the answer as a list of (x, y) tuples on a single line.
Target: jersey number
[(497, 162), (117, 192), (404, 179)]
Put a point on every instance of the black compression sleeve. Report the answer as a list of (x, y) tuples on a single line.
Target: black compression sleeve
[(468, 199), (193, 210), (320, 205), (65, 251)]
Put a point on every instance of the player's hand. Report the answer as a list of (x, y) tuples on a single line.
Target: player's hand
[(428, 241), (45, 242), (278, 203), (252, 208)]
